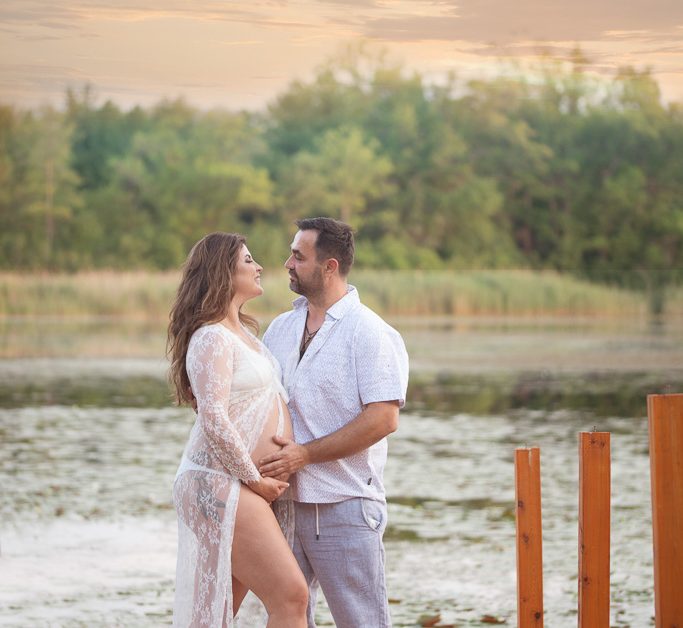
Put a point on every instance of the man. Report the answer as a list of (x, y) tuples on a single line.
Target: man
[(346, 373)]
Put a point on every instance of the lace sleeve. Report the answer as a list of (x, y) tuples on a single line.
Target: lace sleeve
[(210, 359)]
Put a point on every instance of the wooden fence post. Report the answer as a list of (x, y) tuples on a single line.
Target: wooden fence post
[(529, 538), (594, 529), (665, 418)]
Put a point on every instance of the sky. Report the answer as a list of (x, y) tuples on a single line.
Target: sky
[(242, 54)]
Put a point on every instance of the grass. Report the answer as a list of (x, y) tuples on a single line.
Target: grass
[(147, 295), (137, 294), (494, 293)]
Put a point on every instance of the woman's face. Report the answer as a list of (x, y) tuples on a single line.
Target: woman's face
[(247, 278)]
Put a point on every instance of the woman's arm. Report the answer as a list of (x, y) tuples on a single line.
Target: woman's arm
[(210, 363)]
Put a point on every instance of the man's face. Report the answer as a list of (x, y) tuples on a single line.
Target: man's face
[(305, 272)]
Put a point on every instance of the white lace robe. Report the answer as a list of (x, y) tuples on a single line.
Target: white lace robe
[(236, 388)]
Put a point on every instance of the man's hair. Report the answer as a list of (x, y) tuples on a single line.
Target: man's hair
[(335, 239)]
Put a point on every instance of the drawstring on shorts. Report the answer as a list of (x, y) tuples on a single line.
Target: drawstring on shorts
[(317, 524)]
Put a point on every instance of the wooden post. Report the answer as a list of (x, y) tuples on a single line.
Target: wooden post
[(594, 529), (665, 414), (529, 538)]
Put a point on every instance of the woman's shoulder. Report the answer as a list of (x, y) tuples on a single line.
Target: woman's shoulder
[(211, 334), (210, 329)]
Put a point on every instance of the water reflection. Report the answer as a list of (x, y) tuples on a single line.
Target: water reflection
[(600, 394), (141, 384)]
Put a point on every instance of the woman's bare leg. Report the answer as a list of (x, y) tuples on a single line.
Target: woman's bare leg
[(239, 592), (263, 562)]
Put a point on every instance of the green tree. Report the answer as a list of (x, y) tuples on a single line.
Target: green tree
[(339, 177), (39, 195), (172, 188), (99, 134)]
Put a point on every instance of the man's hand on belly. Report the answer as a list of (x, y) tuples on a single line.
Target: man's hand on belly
[(288, 460), (376, 421)]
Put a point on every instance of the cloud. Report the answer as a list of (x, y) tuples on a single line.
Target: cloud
[(243, 42), (43, 79), (77, 13), (499, 21), (436, 33), (503, 22), (664, 50), (367, 4), (556, 51)]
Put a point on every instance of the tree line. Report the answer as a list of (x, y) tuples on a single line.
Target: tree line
[(555, 169)]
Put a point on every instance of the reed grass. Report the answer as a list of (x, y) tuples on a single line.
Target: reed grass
[(495, 293), (138, 294), (148, 295)]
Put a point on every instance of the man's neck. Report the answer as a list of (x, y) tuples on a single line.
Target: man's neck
[(318, 305)]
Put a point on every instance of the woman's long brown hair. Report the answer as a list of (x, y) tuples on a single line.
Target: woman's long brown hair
[(203, 297)]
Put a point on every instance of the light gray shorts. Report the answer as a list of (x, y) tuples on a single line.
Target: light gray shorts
[(340, 547)]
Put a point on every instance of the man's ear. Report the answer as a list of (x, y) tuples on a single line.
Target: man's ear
[(331, 265)]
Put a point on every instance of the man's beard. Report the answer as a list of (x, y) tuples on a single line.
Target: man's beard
[(312, 287)]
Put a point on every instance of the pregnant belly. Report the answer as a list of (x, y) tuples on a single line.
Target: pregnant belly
[(265, 444)]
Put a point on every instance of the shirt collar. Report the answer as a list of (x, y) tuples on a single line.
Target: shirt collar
[(338, 309)]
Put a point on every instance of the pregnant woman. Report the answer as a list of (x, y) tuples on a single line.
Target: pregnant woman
[(232, 533)]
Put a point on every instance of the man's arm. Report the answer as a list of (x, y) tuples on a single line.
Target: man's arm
[(376, 421)]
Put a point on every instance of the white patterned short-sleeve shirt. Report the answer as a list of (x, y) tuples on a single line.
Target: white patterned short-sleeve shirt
[(354, 359)]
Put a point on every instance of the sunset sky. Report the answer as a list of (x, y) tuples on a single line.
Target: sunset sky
[(218, 53)]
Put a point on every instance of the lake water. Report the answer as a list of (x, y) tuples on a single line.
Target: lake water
[(89, 445)]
